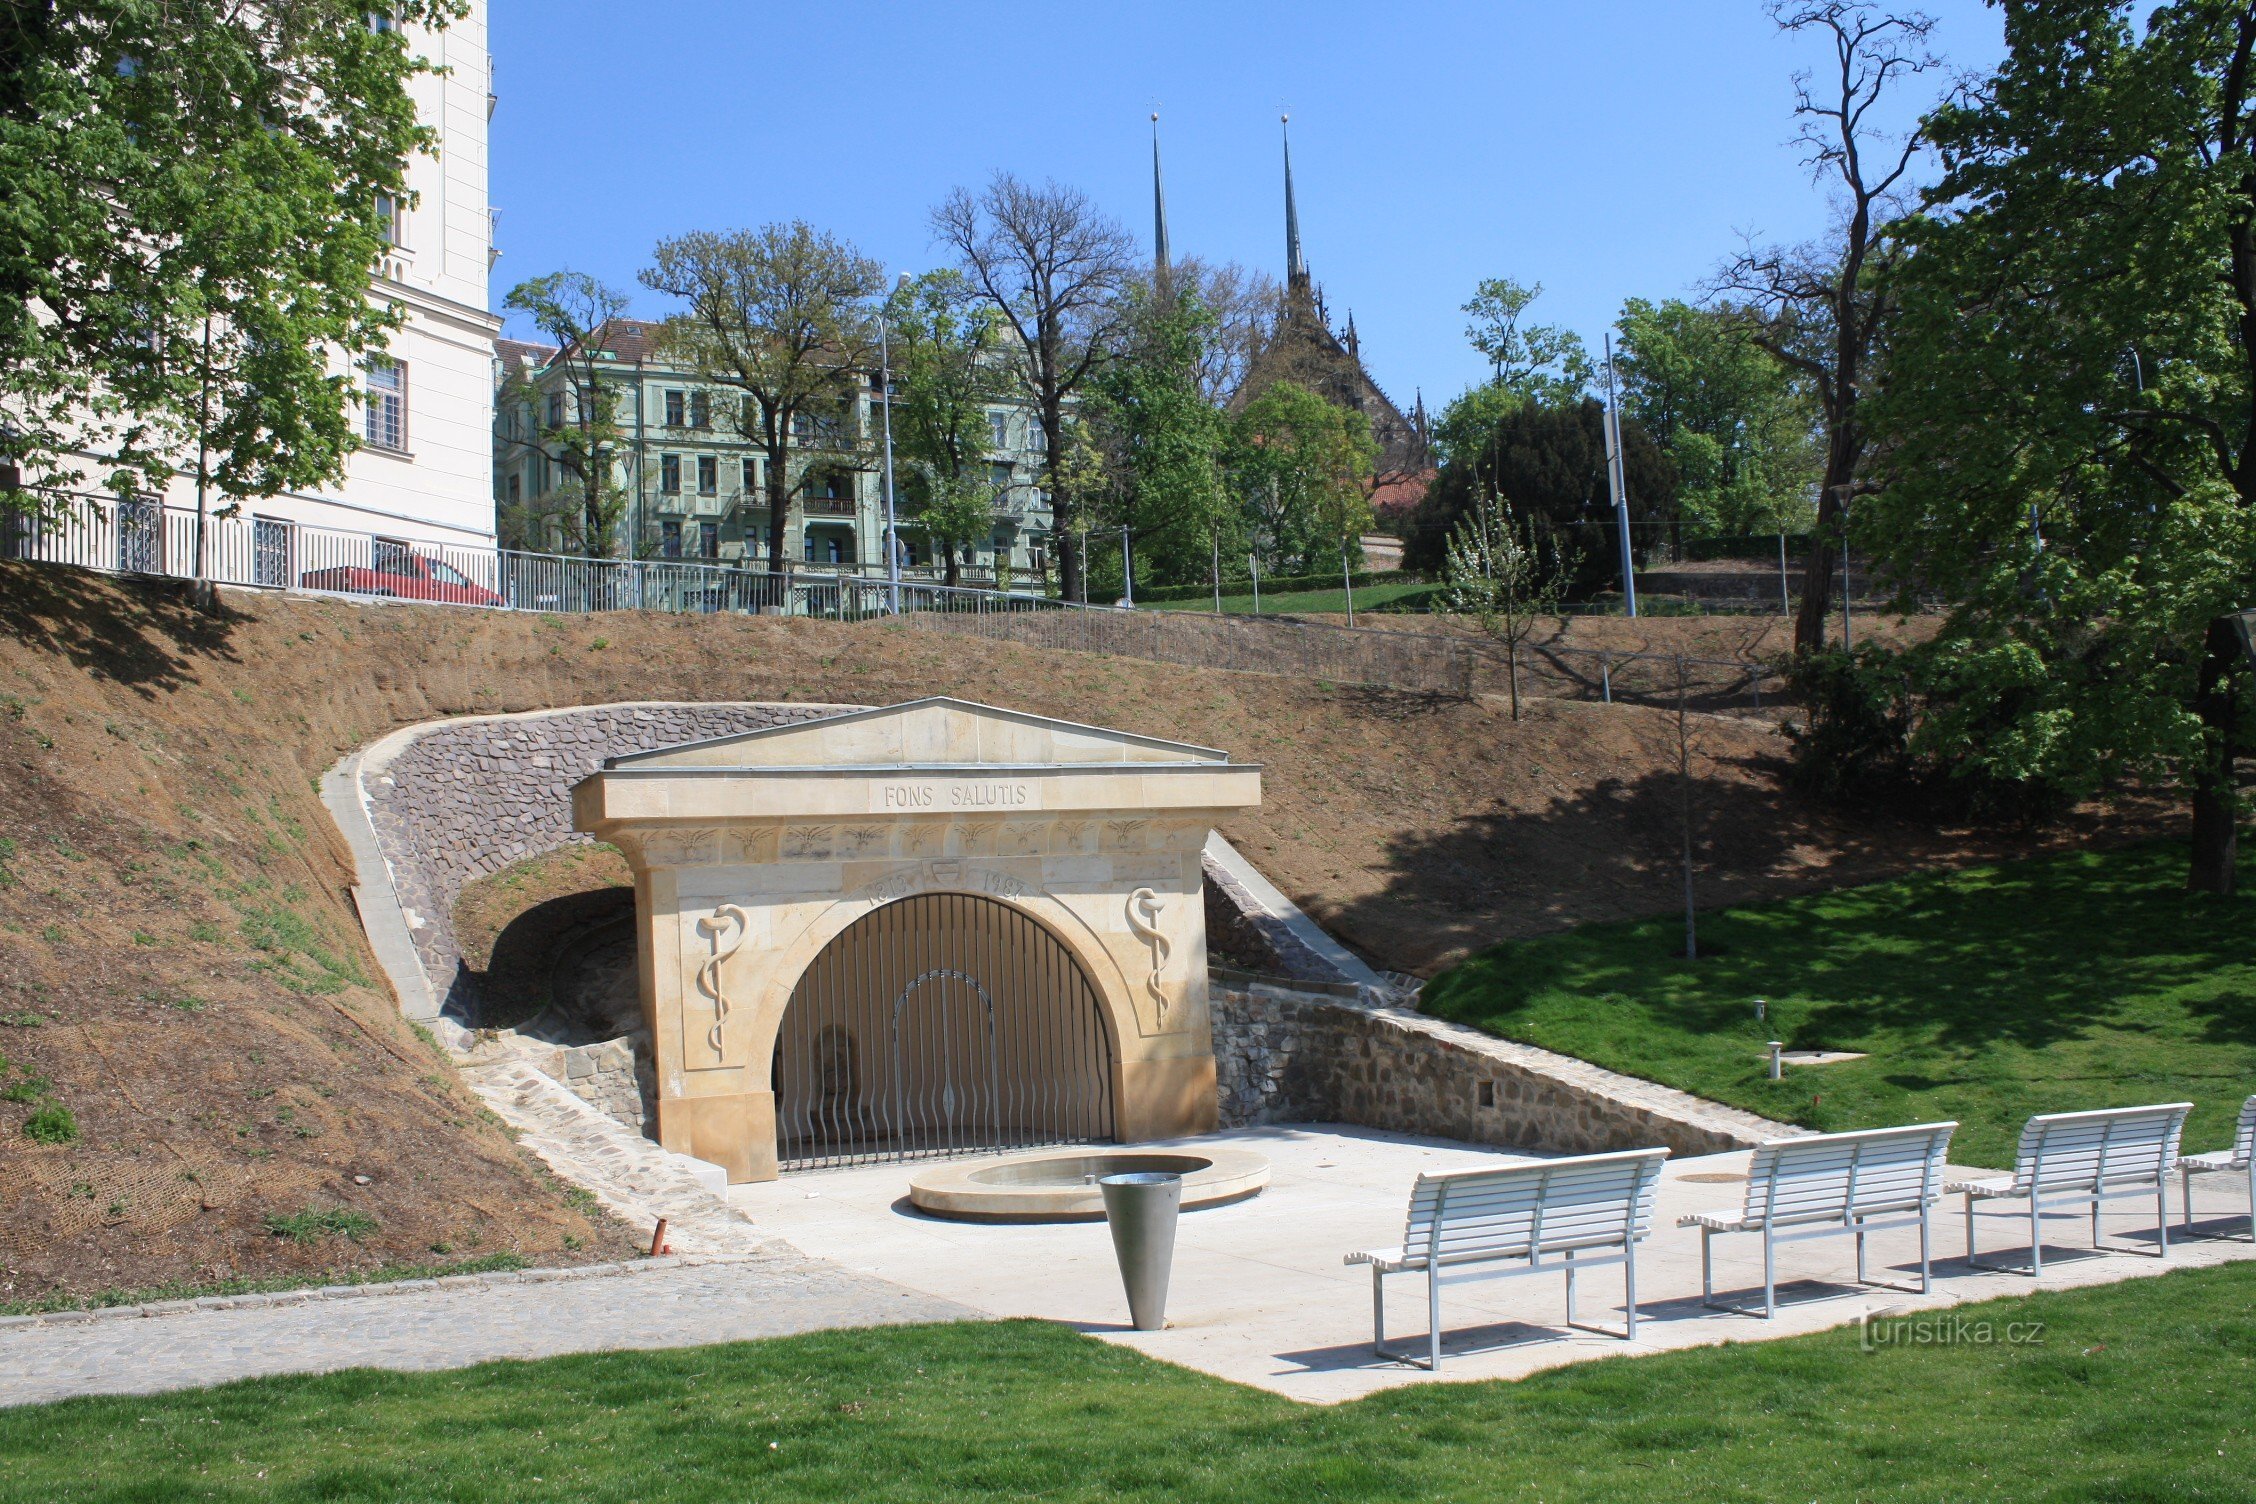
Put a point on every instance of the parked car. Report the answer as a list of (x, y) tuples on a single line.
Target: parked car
[(400, 571)]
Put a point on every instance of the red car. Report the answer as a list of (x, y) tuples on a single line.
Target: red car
[(400, 571)]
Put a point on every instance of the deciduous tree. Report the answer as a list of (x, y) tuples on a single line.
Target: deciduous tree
[(1300, 466), (785, 316), (2070, 407), (1824, 305), (1542, 362), (1497, 572), (1162, 441), (949, 369), (575, 310), (1740, 428), (1054, 266)]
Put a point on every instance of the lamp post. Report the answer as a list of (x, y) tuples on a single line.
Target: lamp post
[(885, 385), (1127, 571), (1617, 481)]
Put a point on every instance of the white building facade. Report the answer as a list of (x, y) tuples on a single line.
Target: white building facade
[(423, 474), (424, 471)]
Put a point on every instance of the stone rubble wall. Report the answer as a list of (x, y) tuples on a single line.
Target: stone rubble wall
[(1287, 1054), (467, 798)]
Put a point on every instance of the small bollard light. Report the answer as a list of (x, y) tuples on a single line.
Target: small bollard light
[(1777, 1070), (1761, 1008)]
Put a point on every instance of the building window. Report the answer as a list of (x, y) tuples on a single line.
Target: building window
[(388, 212), (556, 409), (751, 476), (669, 538), (999, 476), (516, 490), (700, 410), (669, 474), (674, 409), (384, 420), (1036, 440), (998, 431), (708, 475), (709, 540)]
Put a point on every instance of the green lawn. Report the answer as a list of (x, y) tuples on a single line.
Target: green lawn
[(2135, 1391), (1397, 595), (2090, 980)]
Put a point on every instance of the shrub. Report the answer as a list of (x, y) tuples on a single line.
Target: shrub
[(52, 1124), (1858, 742)]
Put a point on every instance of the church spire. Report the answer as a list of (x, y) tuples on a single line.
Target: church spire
[(1162, 261), (1296, 268)]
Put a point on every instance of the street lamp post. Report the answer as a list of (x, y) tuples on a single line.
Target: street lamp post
[(1127, 571), (892, 533)]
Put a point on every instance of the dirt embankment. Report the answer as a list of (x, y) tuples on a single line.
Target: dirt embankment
[(1749, 638), (181, 968)]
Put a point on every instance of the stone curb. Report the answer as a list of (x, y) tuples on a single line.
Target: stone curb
[(495, 1279)]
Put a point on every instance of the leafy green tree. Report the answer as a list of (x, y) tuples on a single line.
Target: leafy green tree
[(1469, 421), (1544, 362), (1549, 463), (1497, 572), (2071, 408), (196, 194), (1162, 441), (1740, 428), (575, 310), (949, 369), (1300, 466), (784, 316)]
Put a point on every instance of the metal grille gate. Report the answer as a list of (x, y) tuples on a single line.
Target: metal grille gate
[(940, 1024)]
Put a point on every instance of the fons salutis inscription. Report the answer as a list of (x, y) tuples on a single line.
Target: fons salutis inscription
[(957, 796)]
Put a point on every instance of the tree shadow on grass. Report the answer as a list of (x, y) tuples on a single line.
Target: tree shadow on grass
[(143, 633), (2028, 954)]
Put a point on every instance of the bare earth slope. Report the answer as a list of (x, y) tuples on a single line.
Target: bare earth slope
[(180, 962)]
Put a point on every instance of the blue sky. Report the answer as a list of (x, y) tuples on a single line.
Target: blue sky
[(1604, 148)]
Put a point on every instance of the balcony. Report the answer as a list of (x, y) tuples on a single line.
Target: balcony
[(830, 506)]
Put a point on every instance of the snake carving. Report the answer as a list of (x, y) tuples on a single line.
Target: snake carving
[(1143, 917), (716, 925)]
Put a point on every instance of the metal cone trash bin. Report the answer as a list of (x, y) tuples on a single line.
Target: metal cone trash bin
[(1142, 1208)]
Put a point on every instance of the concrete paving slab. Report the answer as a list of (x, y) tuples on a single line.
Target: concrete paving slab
[(1260, 1295)]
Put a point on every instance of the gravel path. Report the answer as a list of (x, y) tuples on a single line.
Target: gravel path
[(684, 1302)]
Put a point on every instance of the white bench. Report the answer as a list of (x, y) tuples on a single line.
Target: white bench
[(1831, 1185), (2069, 1159), (1553, 1215), (2241, 1156)]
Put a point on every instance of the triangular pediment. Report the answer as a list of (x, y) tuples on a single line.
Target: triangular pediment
[(939, 732)]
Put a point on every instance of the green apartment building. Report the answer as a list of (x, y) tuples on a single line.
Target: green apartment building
[(697, 487)]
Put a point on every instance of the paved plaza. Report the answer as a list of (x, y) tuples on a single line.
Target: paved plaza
[(1260, 1295)]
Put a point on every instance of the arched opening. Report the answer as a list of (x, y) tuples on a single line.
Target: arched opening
[(940, 1024)]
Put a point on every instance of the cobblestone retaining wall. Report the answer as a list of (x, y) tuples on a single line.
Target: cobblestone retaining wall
[(1289, 1055)]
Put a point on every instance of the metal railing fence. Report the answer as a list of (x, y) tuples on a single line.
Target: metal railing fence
[(151, 538)]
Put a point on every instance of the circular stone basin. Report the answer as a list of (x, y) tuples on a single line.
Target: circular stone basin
[(1061, 1185)]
